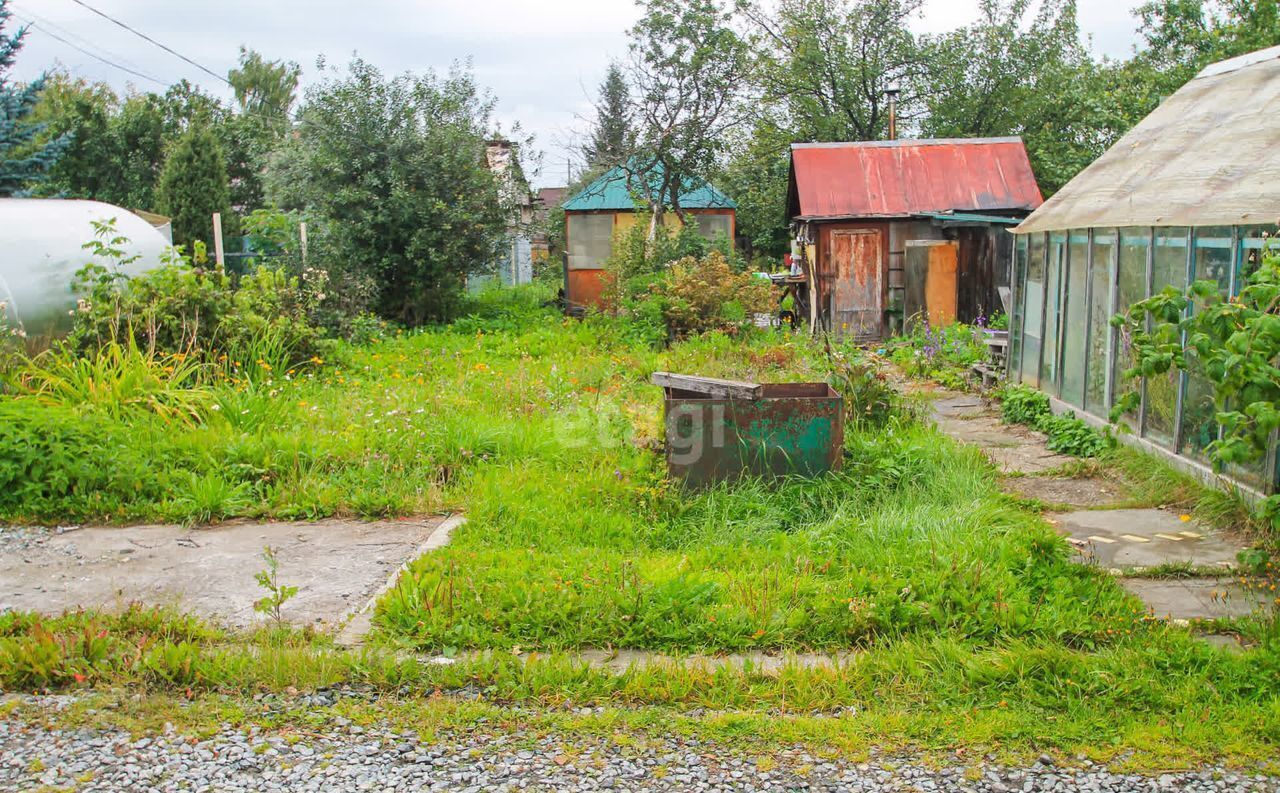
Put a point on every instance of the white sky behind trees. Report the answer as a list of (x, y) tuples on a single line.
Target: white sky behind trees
[(541, 60)]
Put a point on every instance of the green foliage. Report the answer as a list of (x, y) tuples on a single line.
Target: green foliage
[(23, 159), (756, 176), (1020, 404), (870, 399), (277, 594), (702, 295), (193, 184), (612, 139), (827, 64), (945, 355), (1231, 343), (689, 66), (393, 168), (116, 380), (1021, 69), (265, 89), (1071, 435), (184, 308), (1068, 434)]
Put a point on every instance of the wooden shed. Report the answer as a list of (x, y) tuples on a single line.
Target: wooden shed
[(607, 206), (859, 210)]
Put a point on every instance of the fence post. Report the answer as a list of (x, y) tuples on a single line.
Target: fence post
[(219, 255)]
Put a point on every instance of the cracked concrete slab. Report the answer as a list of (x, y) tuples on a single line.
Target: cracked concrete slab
[(1145, 538), (620, 661), (336, 565), (1014, 449), (1195, 599)]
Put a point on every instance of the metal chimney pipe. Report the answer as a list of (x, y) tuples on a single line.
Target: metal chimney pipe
[(892, 92)]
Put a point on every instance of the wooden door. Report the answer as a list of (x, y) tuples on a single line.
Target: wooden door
[(857, 301)]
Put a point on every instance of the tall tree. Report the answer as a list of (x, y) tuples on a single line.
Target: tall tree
[(22, 160), (193, 184), (828, 64), (138, 144), (756, 177), (81, 111), (394, 170), (1181, 37), (612, 139), (688, 67), (1015, 72), (264, 88)]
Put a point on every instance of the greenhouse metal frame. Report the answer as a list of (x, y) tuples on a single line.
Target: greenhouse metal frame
[(1068, 286)]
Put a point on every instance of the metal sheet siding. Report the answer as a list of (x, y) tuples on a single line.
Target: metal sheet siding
[(905, 178)]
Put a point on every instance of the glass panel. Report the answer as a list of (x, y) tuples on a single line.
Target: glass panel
[(1015, 319), (1095, 396), (1052, 323), (1033, 311), (1132, 287), (713, 226), (1213, 262), (1250, 255), (590, 241), (1169, 269), (1075, 318)]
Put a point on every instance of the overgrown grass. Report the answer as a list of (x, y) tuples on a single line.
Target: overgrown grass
[(975, 626), (931, 693)]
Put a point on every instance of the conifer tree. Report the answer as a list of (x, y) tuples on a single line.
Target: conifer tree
[(193, 183), (612, 138), (22, 162)]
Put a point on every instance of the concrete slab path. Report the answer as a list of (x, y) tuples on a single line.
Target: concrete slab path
[(337, 566), (1145, 538), (1195, 598), (1013, 448), (1120, 540)]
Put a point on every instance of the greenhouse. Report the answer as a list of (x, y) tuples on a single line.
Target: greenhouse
[(1190, 194)]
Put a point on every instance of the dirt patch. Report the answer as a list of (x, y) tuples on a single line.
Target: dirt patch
[(1083, 493), (336, 565)]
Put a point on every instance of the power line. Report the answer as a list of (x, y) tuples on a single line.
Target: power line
[(107, 61), (44, 22), (162, 46)]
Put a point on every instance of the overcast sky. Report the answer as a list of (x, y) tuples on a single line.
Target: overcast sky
[(541, 60)]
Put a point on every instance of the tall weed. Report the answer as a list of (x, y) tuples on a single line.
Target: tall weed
[(118, 380)]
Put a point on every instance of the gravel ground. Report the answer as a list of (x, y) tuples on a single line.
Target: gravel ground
[(346, 757)]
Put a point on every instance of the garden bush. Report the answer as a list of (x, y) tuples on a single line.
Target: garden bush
[(700, 295), (187, 307), (1020, 404)]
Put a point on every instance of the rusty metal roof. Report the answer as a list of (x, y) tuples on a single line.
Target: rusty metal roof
[(883, 179)]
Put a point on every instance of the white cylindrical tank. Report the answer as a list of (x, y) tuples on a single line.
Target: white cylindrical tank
[(42, 248)]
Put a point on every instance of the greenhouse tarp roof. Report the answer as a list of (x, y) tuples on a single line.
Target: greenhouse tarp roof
[(1208, 156), (612, 191)]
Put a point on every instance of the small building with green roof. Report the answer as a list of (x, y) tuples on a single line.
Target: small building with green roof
[(608, 206)]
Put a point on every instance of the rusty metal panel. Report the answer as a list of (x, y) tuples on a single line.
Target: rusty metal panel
[(584, 288), (794, 429), (905, 178), (857, 304)]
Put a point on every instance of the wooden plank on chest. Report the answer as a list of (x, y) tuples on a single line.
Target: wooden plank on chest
[(722, 389)]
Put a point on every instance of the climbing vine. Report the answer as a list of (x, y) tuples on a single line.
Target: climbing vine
[(1231, 343)]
